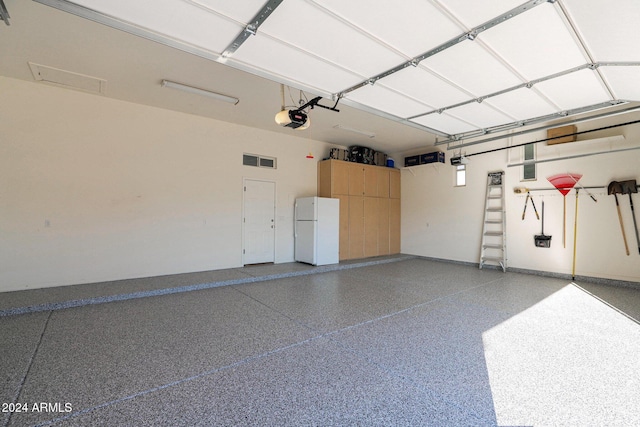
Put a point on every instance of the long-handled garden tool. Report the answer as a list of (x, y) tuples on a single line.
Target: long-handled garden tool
[(524, 211), (615, 188), (564, 182), (575, 238), (582, 188), (541, 240), (629, 187)]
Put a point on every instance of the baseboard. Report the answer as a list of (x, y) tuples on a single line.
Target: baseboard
[(590, 279)]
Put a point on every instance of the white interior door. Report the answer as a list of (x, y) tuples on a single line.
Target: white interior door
[(259, 221)]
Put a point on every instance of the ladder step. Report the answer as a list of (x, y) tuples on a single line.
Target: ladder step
[(493, 233), (494, 210), (492, 259), (492, 246), (493, 221)]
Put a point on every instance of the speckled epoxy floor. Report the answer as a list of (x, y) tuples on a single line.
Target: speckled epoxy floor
[(397, 341)]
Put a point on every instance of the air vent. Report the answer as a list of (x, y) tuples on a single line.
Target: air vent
[(68, 79), (259, 161)]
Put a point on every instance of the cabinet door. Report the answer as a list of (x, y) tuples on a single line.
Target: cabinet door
[(339, 177), (371, 226), (356, 227), (324, 178), (383, 226), (394, 183), (356, 179), (371, 181), (344, 227), (383, 182), (394, 226)]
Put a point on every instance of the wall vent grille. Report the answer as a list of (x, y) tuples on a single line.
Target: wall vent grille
[(259, 161)]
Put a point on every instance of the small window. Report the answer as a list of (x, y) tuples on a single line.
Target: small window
[(461, 175), (259, 161), (529, 170)]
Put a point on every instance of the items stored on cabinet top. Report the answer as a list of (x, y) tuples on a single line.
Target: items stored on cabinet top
[(360, 154)]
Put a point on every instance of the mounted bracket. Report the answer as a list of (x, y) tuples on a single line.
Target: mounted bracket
[(315, 103)]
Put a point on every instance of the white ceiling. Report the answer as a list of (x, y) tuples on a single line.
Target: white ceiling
[(405, 70)]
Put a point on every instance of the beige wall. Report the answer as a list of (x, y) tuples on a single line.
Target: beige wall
[(93, 189), (442, 221)]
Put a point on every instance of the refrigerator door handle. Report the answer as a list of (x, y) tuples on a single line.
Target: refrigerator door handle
[(295, 220)]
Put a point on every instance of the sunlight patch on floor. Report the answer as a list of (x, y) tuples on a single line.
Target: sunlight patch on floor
[(568, 360)]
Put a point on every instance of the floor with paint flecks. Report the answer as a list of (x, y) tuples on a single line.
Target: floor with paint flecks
[(394, 341)]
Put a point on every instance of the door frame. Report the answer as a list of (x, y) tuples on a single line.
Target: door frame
[(275, 209)]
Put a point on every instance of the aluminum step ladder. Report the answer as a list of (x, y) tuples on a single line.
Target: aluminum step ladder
[(494, 230)]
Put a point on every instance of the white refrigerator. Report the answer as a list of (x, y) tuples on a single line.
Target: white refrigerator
[(317, 228)]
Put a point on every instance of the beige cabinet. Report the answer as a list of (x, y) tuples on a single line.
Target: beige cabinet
[(370, 181), (356, 227), (382, 175), (369, 206), (383, 227), (371, 226), (394, 184), (394, 226), (344, 225), (356, 179), (333, 178)]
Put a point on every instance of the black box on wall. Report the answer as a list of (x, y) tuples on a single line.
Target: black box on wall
[(423, 159), (435, 157), (411, 161)]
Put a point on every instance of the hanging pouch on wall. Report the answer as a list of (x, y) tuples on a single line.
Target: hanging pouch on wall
[(541, 240)]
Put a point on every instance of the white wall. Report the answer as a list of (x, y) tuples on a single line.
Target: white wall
[(93, 189), (443, 221)]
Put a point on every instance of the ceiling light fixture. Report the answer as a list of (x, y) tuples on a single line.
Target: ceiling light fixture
[(198, 91), (358, 131)]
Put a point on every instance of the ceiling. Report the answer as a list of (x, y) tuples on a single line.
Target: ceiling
[(407, 72)]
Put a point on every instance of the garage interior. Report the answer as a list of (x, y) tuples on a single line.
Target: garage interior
[(129, 287)]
